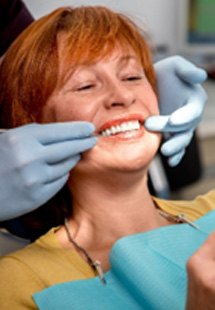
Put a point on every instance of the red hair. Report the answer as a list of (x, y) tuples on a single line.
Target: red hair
[(40, 60), (44, 54)]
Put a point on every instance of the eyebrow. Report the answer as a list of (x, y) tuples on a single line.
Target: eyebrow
[(124, 58), (127, 57)]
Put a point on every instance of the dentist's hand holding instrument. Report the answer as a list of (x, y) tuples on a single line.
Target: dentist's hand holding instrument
[(35, 161), (182, 101)]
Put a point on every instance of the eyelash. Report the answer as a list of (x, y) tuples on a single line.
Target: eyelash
[(85, 87), (133, 78), (129, 79)]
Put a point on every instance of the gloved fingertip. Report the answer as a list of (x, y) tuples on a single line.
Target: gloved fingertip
[(94, 140), (176, 159), (89, 143), (167, 149), (202, 75), (86, 128), (190, 73), (163, 150), (149, 122), (156, 123), (91, 127), (173, 162)]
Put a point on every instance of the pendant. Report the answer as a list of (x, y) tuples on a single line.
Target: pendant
[(181, 218), (98, 268)]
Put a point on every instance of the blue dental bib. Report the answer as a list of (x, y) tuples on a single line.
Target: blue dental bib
[(148, 271)]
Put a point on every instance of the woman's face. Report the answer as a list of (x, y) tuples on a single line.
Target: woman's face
[(115, 95)]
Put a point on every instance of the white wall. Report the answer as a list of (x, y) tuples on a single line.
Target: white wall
[(159, 15)]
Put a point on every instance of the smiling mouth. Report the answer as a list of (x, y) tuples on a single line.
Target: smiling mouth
[(124, 127)]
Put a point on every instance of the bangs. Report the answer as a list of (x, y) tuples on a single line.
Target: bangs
[(43, 57), (92, 34)]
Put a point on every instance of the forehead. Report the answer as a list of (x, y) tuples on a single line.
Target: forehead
[(116, 62), (118, 53)]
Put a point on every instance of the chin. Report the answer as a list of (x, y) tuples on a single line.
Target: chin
[(135, 161), (133, 156)]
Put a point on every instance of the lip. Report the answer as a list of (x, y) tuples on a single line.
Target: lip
[(120, 120), (127, 136)]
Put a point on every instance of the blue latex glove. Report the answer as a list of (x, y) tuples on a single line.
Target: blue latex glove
[(35, 161), (181, 100)]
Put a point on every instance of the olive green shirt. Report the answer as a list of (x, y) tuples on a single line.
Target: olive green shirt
[(45, 262)]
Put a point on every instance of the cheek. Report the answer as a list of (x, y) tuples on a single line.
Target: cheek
[(153, 103), (63, 109), (69, 114), (149, 99), (69, 111)]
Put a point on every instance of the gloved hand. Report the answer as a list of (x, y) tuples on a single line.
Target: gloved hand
[(182, 101), (35, 161)]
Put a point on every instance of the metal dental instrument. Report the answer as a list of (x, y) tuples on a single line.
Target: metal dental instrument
[(180, 218), (96, 135), (187, 221)]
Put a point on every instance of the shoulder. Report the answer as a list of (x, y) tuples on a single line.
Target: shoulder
[(34, 257), (36, 267), (17, 284), (21, 264), (20, 278), (193, 209), (205, 202)]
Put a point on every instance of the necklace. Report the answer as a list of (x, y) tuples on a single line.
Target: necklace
[(96, 265)]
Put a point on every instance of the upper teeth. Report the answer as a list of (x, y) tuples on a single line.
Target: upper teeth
[(126, 126)]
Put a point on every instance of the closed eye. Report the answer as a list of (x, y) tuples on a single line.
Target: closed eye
[(84, 87), (133, 78)]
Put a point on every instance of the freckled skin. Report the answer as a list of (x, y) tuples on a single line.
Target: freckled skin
[(106, 93)]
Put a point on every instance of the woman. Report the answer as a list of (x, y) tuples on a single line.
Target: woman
[(88, 64), (14, 201)]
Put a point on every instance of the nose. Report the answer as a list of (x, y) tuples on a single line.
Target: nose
[(119, 95)]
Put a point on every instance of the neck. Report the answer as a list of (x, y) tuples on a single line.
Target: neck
[(111, 207)]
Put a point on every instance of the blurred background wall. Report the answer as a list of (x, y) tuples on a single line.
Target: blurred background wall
[(159, 16)]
